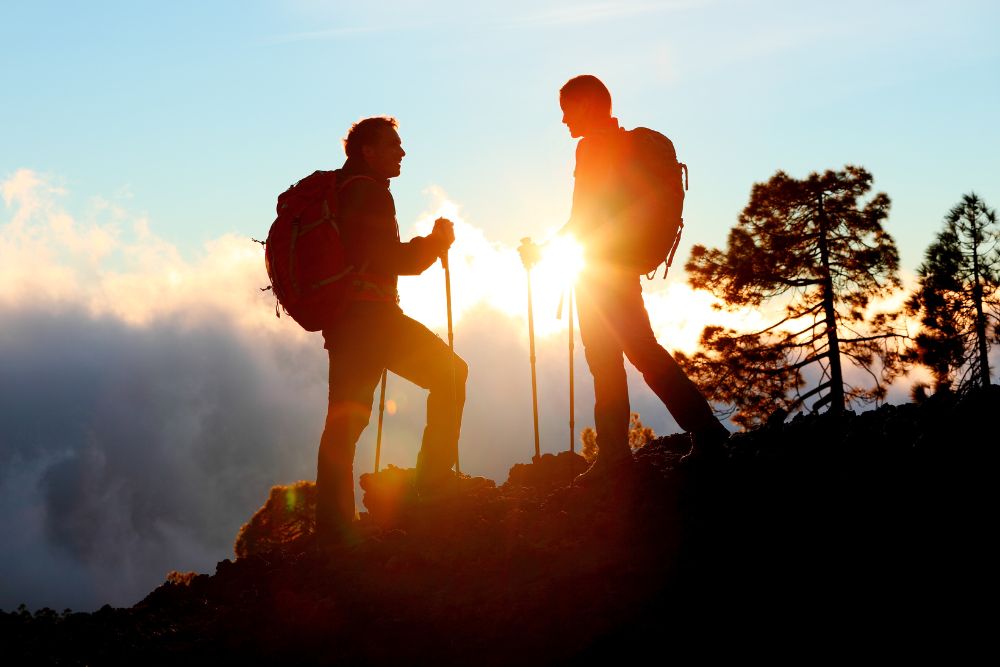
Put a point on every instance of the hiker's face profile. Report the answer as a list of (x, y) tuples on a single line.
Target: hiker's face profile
[(385, 157), (577, 115)]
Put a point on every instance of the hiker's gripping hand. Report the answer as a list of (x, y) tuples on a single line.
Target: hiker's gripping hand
[(443, 234), (530, 253)]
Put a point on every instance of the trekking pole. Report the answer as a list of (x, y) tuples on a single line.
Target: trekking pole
[(381, 411), (568, 294), (531, 357), (451, 346), (572, 421)]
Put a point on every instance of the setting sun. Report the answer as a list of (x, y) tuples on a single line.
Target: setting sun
[(562, 261)]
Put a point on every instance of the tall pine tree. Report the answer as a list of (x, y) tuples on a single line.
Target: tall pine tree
[(816, 248), (957, 297)]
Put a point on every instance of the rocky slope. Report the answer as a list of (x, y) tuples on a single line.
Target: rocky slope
[(825, 535)]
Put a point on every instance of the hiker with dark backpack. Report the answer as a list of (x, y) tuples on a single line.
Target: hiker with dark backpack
[(627, 207), (334, 259)]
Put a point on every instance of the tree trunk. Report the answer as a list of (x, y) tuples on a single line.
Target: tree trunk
[(836, 396), (977, 299)]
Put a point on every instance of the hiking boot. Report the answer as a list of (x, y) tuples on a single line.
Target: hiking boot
[(708, 448), (606, 469)]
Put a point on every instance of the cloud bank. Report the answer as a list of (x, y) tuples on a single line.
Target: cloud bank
[(148, 401)]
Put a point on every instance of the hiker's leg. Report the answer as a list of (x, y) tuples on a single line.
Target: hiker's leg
[(418, 355), (604, 357), (661, 371), (355, 369)]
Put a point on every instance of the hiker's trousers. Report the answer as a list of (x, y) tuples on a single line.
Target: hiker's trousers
[(370, 337), (613, 323)]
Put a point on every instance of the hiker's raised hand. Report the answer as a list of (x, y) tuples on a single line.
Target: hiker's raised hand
[(443, 233)]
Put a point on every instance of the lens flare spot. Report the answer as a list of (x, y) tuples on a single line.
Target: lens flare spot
[(562, 260), (390, 406)]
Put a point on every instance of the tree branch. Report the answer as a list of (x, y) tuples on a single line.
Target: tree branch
[(808, 360), (801, 398), (865, 339)]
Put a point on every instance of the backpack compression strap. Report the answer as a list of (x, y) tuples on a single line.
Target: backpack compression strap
[(372, 287), (680, 230)]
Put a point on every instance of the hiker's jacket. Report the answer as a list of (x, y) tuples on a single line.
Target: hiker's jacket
[(366, 215), (600, 193)]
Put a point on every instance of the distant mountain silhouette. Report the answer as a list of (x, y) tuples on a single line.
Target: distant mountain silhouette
[(864, 532)]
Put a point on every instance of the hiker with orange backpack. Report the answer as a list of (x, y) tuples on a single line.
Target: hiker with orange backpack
[(357, 309), (627, 206)]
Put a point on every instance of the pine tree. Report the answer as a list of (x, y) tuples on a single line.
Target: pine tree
[(957, 297), (815, 247)]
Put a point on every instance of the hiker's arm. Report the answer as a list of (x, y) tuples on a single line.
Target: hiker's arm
[(588, 182), (372, 235), (576, 216), (416, 255), (409, 258)]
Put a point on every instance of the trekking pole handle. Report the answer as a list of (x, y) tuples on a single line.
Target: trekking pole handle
[(451, 232), (529, 252)]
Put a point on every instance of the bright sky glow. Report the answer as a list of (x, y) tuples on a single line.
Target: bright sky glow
[(561, 262)]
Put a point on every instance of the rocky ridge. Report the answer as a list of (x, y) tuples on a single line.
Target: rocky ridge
[(832, 532)]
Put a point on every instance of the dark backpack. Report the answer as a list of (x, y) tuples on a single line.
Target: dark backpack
[(304, 255), (657, 182)]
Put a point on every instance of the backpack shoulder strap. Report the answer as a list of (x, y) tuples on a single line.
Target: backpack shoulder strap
[(352, 179)]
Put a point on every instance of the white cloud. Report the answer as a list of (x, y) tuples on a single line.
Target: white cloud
[(28, 192)]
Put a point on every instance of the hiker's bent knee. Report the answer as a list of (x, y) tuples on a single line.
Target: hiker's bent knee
[(455, 372), (650, 358), (461, 370)]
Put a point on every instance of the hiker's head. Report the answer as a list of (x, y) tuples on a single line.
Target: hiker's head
[(376, 141), (586, 104)]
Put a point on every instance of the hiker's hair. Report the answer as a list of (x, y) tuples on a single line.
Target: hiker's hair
[(367, 132), (587, 87)]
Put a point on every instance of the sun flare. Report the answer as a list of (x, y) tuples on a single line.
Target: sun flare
[(488, 273), (561, 262)]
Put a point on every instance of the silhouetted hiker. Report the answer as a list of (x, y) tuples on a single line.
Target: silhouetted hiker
[(373, 332), (613, 317)]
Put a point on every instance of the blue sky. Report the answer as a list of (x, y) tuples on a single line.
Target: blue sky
[(200, 113), (148, 396)]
